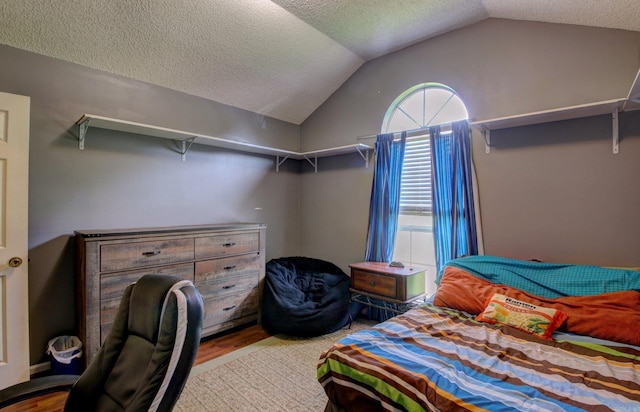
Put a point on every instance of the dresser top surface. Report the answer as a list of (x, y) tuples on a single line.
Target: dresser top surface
[(95, 233), (385, 268)]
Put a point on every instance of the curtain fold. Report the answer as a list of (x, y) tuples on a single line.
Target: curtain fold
[(454, 218), (384, 206), (384, 209)]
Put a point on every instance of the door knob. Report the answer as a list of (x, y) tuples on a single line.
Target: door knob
[(14, 262)]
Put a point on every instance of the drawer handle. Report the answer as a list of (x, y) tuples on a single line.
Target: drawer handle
[(228, 286), (229, 267), (372, 283), (230, 307), (153, 253), (229, 244)]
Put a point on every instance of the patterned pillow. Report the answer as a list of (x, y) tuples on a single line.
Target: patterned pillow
[(527, 317)]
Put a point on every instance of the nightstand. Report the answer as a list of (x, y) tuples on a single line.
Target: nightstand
[(404, 287)]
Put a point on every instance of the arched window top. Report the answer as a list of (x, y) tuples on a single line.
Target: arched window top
[(422, 106)]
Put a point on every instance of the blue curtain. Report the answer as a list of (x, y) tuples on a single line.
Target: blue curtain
[(385, 198), (454, 222), (383, 211)]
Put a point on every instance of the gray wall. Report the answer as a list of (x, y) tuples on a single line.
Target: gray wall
[(557, 193), (552, 192), (335, 206), (123, 180)]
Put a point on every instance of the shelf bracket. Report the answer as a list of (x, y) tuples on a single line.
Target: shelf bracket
[(83, 133), (486, 134), (365, 156), (280, 162), (185, 146), (313, 162), (615, 132)]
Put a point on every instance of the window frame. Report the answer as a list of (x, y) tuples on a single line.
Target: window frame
[(414, 202)]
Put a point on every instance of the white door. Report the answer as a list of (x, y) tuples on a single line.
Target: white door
[(14, 185)]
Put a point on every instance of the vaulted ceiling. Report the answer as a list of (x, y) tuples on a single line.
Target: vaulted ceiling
[(280, 58)]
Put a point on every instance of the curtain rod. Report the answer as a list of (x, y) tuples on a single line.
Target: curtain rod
[(412, 131), (420, 130)]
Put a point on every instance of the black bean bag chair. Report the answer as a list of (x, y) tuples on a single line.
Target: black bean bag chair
[(304, 297)]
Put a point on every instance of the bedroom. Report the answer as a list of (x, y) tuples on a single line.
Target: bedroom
[(554, 192)]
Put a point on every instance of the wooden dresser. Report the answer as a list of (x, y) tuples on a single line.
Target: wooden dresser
[(226, 263)]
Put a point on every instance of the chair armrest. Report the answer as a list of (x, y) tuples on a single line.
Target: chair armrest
[(36, 387)]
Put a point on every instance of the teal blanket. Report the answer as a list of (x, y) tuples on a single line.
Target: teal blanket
[(549, 280)]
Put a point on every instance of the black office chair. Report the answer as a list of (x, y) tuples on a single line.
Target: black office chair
[(145, 360)]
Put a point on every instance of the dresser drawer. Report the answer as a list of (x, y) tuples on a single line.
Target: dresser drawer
[(227, 275), (221, 309), (121, 256), (211, 270), (227, 244), (112, 288), (108, 312), (374, 283), (228, 285), (113, 284)]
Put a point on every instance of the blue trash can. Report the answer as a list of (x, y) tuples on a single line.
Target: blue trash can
[(65, 352)]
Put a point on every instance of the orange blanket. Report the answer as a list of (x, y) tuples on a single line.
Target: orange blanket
[(612, 316)]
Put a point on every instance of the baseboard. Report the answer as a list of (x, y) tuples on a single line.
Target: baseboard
[(39, 368)]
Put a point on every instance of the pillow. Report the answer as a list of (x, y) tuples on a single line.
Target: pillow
[(612, 316), (529, 318)]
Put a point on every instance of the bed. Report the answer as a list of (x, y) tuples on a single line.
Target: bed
[(469, 348)]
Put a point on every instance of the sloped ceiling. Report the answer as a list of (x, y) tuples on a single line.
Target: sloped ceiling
[(280, 58)]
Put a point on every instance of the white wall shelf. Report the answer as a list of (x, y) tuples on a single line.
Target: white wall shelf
[(186, 139), (613, 107), (552, 115), (633, 99)]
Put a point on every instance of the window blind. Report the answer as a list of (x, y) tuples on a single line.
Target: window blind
[(415, 189)]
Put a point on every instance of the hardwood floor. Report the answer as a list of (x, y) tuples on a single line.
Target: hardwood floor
[(210, 348)]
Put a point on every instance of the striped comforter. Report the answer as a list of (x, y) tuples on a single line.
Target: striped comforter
[(440, 359)]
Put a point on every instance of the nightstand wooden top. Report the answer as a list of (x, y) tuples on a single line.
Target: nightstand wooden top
[(385, 268)]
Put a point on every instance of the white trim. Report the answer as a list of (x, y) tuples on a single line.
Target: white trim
[(476, 207), (39, 368), (176, 286), (181, 332)]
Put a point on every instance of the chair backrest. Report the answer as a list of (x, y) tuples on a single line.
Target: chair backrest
[(147, 356)]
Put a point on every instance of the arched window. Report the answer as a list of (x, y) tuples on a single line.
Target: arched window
[(424, 105), (415, 110)]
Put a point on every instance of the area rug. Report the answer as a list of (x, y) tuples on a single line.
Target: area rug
[(276, 374)]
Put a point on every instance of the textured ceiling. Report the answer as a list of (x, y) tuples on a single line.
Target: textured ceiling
[(280, 58)]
